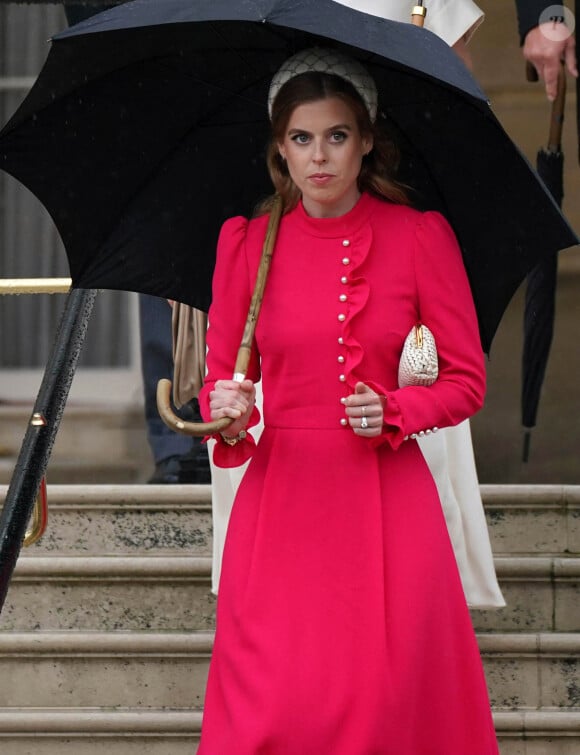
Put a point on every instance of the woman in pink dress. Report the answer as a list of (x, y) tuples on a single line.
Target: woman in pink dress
[(342, 628)]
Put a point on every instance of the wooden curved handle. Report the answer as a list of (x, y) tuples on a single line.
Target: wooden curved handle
[(196, 429), (199, 429)]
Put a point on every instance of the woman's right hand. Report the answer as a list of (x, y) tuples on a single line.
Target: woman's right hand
[(232, 399)]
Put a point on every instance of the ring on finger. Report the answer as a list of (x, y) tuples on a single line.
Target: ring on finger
[(364, 423), (364, 410)]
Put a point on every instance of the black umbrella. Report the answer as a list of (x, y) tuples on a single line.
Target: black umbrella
[(540, 297), (147, 126)]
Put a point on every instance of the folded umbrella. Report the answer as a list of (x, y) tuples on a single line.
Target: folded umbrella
[(147, 127), (540, 296)]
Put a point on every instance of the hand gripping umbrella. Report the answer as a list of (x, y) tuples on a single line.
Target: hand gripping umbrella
[(147, 127)]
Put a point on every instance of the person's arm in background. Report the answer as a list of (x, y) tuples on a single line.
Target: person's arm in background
[(545, 44)]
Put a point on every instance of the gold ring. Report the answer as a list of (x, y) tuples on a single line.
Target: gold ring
[(364, 410)]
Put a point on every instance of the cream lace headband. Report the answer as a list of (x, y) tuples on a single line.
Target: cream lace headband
[(334, 62)]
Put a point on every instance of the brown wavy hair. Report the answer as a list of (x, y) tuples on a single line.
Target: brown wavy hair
[(378, 167)]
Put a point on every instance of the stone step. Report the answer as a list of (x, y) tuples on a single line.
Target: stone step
[(96, 731), (118, 519), (84, 471), (532, 671), (108, 669), (126, 520), (85, 432), (108, 593), (148, 670), (533, 519), (94, 444), (542, 594), (161, 593), (538, 732), (522, 519)]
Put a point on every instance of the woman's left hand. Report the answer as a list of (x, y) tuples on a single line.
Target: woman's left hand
[(364, 410)]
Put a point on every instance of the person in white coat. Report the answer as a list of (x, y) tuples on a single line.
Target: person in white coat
[(454, 21), (448, 453)]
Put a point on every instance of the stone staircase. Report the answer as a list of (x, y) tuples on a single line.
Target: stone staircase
[(106, 633), (94, 444)]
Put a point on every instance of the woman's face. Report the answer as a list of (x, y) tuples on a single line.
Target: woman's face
[(323, 149)]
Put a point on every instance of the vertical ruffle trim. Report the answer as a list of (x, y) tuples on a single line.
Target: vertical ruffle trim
[(358, 294)]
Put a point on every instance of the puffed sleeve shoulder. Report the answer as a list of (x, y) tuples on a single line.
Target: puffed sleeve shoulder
[(232, 287), (446, 307)]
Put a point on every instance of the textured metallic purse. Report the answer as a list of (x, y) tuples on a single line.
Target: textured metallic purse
[(418, 365)]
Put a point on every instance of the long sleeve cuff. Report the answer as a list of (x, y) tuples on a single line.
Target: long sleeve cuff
[(226, 456)]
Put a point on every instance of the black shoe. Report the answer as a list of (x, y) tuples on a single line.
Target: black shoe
[(166, 472)]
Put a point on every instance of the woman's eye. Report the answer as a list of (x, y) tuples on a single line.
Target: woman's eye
[(338, 136), (300, 138)]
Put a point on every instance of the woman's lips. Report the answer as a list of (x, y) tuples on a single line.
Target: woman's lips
[(320, 179)]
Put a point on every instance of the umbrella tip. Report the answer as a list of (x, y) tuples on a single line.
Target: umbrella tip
[(526, 449)]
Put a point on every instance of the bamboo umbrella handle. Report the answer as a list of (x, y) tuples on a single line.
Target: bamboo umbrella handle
[(199, 429)]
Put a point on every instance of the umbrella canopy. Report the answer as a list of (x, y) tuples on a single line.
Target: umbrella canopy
[(147, 128)]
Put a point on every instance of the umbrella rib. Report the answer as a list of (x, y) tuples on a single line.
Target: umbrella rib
[(238, 94)]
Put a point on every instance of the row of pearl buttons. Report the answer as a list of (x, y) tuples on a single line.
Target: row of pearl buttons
[(341, 318), (420, 434)]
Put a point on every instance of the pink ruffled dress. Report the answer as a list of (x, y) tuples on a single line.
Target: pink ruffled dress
[(342, 628)]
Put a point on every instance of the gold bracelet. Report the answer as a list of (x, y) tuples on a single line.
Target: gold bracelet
[(232, 441)]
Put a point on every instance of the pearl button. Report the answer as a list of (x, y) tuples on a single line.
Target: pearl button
[(340, 340), (346, 242), (342, 378), (341, 318), (421, 433), (346, 260), (413, 436), (435, 429), (341, 359), (427, 432), (344, 279), (342, 297), (344, 422)]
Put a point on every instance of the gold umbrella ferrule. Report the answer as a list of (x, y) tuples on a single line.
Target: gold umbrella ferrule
[(418, 15)]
